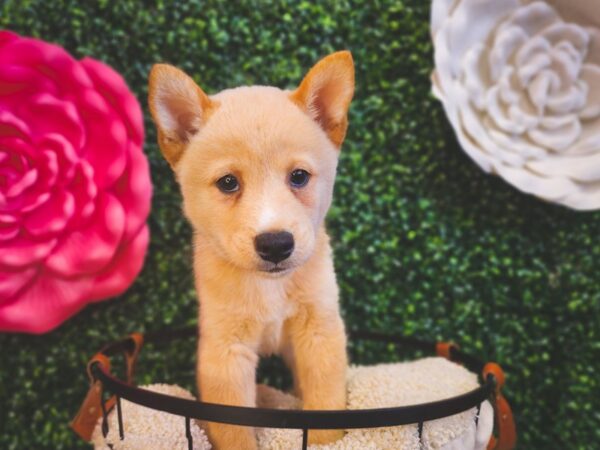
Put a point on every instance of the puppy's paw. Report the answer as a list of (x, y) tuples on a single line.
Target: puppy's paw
[(324, 436)]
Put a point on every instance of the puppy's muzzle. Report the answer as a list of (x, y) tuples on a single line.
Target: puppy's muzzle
[(274, 247)]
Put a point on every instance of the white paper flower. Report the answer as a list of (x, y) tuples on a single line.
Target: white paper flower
[(520, 83)]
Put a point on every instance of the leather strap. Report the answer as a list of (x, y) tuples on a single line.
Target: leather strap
[(132, 356), (443, 349), (91, 410), (503, 417)]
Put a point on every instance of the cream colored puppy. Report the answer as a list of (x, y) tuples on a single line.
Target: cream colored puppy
[(256, 166)]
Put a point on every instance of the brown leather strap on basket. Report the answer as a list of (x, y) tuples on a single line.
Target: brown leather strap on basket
[(91, 410), (443, 349), (503, 417), (132, 356)]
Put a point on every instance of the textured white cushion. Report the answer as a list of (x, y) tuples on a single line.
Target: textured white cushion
[(399, 384), (149, 429), (383, 385)]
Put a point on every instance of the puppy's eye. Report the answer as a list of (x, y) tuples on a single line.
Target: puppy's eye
[(299, 178), (228, 184)]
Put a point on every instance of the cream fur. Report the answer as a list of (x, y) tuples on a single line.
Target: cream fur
[(260, 135)]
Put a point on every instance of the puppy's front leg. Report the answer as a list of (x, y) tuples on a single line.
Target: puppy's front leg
[(226, 375), (318, 344)]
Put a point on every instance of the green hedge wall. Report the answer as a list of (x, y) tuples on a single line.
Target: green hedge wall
[(425, 243)]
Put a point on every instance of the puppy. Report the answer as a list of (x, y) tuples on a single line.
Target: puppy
[(256, 167)]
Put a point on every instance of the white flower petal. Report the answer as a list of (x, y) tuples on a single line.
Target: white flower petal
[(587, 198), (571, 99), (532, 18), (589, 141), (440, 11), (564, 65), (475, 139), (474, 79), (555, 122), (502, 153), (534, 46), (517, 145), (590, 74), (442, 59), (471, 146), (517, 115), (549, 188), (580, 168), (505, 45), (435, 86), (569, 49), (540, 87), (532, 67), (572, 33), (557, 139), (508, 93), (499, 113), (473, 21)]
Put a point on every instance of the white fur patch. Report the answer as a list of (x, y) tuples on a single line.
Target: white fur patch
[(266, 219)]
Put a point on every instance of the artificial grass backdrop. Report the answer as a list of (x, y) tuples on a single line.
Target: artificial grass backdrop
[(425, 243)]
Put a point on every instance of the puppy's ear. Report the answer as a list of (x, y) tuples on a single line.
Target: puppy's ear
[(179, 108), (326, 92)]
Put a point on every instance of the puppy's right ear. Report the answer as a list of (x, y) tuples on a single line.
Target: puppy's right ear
[(179, 109)]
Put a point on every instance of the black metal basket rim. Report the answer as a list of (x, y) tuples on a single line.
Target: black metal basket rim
[(299, 419)]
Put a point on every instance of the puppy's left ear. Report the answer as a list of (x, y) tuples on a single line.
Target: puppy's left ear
[(326, 92)]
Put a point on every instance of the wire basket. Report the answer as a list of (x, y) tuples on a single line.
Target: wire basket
[(96, 404)]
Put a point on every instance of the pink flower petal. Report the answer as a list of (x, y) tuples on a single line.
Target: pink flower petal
[(52, 217), (48, 166), (106, 149), (8, 231), (17, 82), (22, 186), (134, 191), (34, 200), (11, 125), (48, 114), (90, 249), (7, 36), (49, 59), (28, 179), (13, 146), (91, 101), (66, 155), (125, 267), (112, 87), (45, 304), (85, 191), (22, 251), (13, 282), (6, 218)]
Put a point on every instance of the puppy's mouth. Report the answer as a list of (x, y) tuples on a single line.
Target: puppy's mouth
[(275, 270)]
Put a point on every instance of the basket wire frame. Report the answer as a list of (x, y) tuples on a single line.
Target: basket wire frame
[(291, 419)]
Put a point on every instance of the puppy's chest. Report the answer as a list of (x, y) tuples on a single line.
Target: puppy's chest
[(272, 337)]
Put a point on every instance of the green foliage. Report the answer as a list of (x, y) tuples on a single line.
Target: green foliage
[(425, 243)]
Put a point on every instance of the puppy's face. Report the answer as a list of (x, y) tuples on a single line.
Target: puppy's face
[(256, 165)]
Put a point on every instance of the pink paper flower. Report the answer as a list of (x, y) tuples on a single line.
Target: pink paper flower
[(74, 184)]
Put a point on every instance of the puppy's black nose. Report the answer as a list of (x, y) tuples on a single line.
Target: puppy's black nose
[(274, 247)]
